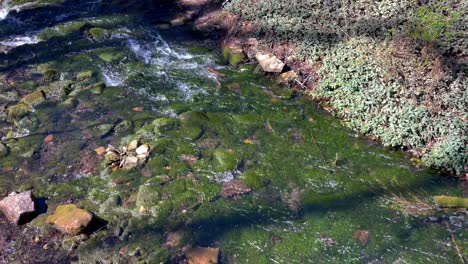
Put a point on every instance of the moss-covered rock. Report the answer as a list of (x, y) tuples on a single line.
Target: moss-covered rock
[(233, 54), (70, 219), (448, 201), (3, 150), (18, 111), (224, 160), (34, 99), (85, 75), (103, 129), (98, 88), (163, 124), (111, 55), (99, 34), (51, 75)]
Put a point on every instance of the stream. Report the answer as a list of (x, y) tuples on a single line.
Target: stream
[(236, 161)]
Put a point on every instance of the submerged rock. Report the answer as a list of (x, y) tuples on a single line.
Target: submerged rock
[(233, 53), (18, 111), (51, 75), (362, 236), (234, 188), (269, 62), (3, 150), (103, 129), (224, 160), (70, 219), (200, 255), (448, 201), (18, 207), (85, 75), (34, 99)]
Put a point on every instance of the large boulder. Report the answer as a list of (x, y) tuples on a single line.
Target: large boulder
[(202, 255), (18, 207), (269, 62), (70, 219)]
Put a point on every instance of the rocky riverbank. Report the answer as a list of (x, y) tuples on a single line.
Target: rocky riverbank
[(401, 79)]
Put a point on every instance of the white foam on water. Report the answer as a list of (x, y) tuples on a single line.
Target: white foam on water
[(141, 52), (112, 78), (4, 13), (6, 8), (20, 41), (187, 90)]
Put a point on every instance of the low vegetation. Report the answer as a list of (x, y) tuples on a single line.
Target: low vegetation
[(390, 69)]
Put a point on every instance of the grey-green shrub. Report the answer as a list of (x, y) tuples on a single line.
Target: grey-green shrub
[(352, 40)]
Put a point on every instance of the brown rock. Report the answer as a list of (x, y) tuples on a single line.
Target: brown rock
[(173, 239), (18, 207), (269, 62), (70, 219), (201, 255), (362, 236), (49, 138), (286, 77), (100, 150), (234, 188)]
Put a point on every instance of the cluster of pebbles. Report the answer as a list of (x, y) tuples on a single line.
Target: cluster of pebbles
[(127, 157)]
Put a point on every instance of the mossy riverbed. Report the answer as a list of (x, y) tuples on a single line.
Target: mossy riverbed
[(309, 190)]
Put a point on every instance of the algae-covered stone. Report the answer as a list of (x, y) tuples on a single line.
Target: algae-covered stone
[(103, 129), (10, 96), (164, 124), (448, 201), (70, 219), (3, 150), (51, 75), (224, 160), (85, 75), (98, 88), (148, 196), (111, 56), (18, 111), (193, 118), (191, 132), (123, 126), (99, 34), (112, 157), (232, 53), (34, 99)]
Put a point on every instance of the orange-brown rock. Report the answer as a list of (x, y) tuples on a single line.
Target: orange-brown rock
[(70, 219), (202, 255)]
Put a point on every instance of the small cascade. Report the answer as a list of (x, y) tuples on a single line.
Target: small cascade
[(140, 51), (112, 78), (20, 41), (4, 10)]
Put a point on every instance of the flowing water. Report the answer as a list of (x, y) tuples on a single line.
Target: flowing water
[(236, 161)]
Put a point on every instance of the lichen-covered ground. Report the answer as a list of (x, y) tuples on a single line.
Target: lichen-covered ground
[(236, 162)]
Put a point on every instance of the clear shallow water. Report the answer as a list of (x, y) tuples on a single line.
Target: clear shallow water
[(313, 182)]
